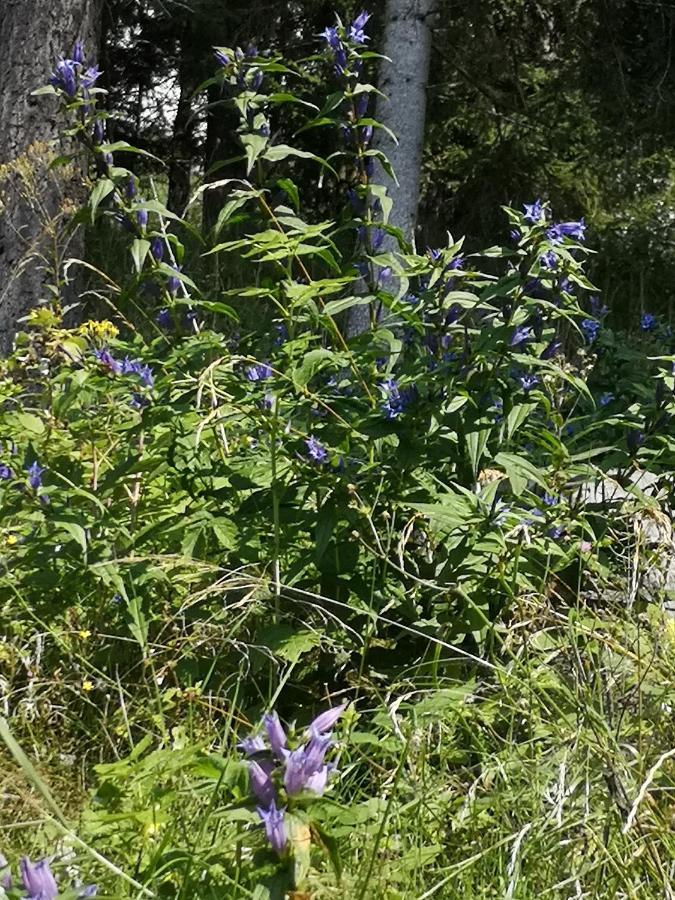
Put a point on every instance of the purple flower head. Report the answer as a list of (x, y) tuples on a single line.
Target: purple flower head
[(273, 819), (138, 401), (515, 235), (550, 350), (357, 32), (222, 58), (5, 472), (562, 230), (276, 735), (394, 399), (142, 218), (106, 359), (520, 337), (173, 283), (251, 745), (326, 720), (99, 131), (528, 382), (296, 774), (281, 334), (550, 500), (157, 248), (556, 532), (90, 77), (316, 451), (38, 880), (261, 782), (366, 135), (146, 376), (457, 263), (35, 471), (332, 39), (605, 399), (533, 211), (259, 372), (549, 260), (163, 318), (648, 322), (590, 329), (77, 56), (64, 77), (130, 188)]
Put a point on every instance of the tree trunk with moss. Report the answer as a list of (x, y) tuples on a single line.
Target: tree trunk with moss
[(35, 202)]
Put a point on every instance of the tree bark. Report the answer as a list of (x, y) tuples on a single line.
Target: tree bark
[(407, 43), (34, 202)]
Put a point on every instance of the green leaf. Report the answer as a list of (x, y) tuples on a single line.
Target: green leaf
[(312, 363), (101, 190), (139, 250), (519, 472), (31, 423), (76, 531)]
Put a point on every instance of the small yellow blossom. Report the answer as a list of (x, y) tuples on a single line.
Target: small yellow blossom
[(11, 539), (87, 686), (98, 332), (84, 634)]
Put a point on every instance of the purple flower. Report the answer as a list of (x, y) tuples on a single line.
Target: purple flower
[(556, 532), (331, 37), (35, 471), (157, 248), (276, 735), (5, 472), (259, 372), (605, 399), (261, 782), (142, 218), (221, 58), (394, 399), (90, 77), (273, 820), (648, 322), (251, 745), (550, 350), (173, 282), (549, 260), (106, 359), (550, 500), (561, 230), (528, 382), (99, 131), (304, 769), (533, 211), (77, 56), (163, 318), (356, 29), (64, 77), (38, 880), (316, 451), (598, 309), (325, 721), (514, 234), (130, 188), (590, 329), (521, 335)]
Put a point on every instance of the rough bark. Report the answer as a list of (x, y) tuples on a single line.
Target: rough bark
[(407, 43), (34, 202)]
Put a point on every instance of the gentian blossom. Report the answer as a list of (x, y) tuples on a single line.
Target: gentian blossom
[(157, 248), (521, 335), (590, 329), (605, 399), (356, 32), (273, 820), (64, 77), (528, 382), (533, 211), (259, 372), (38, 879), (163, 318), (648, 322), (562, 230), (394, 400), (550, 350), (549, 260), (35, 471), (316, 452), (5, 472)]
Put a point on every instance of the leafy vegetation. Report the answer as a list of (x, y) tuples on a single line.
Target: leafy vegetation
[(445, 541)]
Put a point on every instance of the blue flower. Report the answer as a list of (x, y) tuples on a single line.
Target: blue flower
[(550, 500), (533, 211), (130, 188), (64, 77), (528, 382), (549, 260), (514, 234), (163, 318), (357, 33), (273, 819), (5, 472), (258, 372), (520, 337), (90, 77), (35, 471), (394, 400), (550, 350), (590, 329), (331, 37), (556, 532), (105, 357), (173, 282), (157, 248), (316, 452), (222, 58), (605, 399), (77, 56), (648, 322), (567, 229), (38, 879), (142, 218), (261, 784)]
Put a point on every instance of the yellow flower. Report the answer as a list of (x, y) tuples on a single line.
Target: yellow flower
[(84, 634), (87, 686), (11, 539), (99, 332)]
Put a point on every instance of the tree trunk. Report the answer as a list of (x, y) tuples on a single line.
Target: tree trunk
[(34, 202), (183, 145), (407, 43)]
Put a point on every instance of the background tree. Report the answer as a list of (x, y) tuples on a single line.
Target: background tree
[(34, 200)]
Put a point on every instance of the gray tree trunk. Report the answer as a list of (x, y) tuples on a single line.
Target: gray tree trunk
[(407, 43), (34, 203)]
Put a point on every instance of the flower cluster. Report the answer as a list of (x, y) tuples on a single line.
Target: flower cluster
[(343, 42), (37, 880), (316, 451), (71, 74), (125, 366), (395, 399), (277, 768)]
